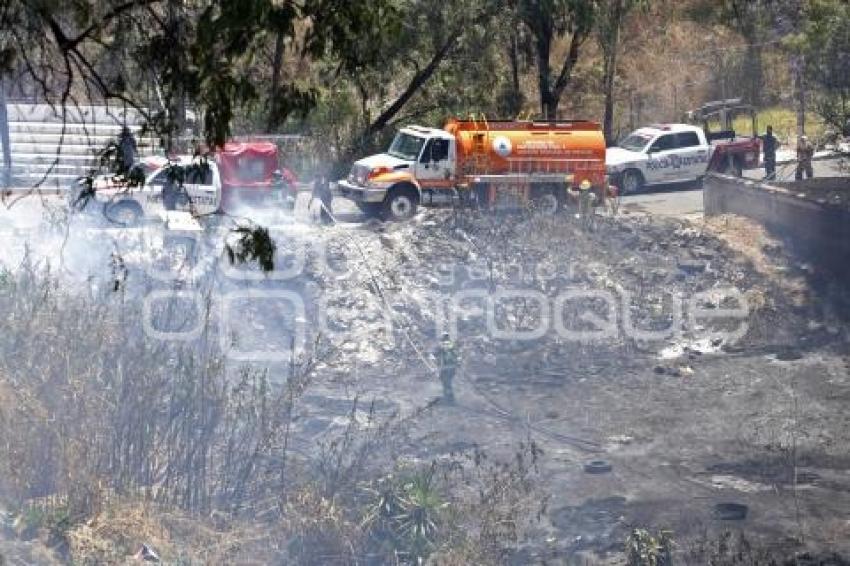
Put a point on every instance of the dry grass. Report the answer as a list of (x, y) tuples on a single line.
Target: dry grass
[(109, 440)]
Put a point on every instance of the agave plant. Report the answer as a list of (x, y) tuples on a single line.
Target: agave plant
[(408, 512)]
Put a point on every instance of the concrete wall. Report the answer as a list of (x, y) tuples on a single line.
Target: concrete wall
[(819, 231), (45, 150)]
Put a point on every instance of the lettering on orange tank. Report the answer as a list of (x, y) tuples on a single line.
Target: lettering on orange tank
[(494, 148)]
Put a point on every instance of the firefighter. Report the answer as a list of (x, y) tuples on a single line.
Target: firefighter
[(170, 193), (447, 358), (805, 153), (769, 144), (126, 149)]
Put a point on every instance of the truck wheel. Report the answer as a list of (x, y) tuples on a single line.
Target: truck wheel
[(400, 203), (125, 212), (546, 202), (632, 181), (370, 209)]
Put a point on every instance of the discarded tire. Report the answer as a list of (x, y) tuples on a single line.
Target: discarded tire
[(730, 511), (597, 467), (788, 355)]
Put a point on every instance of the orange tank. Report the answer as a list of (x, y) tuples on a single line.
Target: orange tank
[(573, 148)]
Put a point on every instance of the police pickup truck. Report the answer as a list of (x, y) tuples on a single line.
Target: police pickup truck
[(677, 153)]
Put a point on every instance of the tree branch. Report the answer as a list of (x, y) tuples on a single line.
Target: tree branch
[(109, 16), (576, 42), (419, 79)]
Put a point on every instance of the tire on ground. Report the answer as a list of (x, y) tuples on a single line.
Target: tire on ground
[(401, 202)]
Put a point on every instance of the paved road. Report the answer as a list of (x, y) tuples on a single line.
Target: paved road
[(685, 200), (675, 200), (681, 200)]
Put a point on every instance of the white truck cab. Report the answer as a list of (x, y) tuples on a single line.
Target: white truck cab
[(419, 160), (654, 155)]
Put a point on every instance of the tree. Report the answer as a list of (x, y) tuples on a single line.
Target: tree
[(547, 21), (443, 26), (750, 18), (199, 54), (431, 66), (610, 19), (827, 54)]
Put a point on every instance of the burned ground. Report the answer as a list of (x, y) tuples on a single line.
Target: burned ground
[(685, 422)]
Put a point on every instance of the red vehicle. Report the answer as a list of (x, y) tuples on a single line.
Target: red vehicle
[(251, 175), (733, 152)]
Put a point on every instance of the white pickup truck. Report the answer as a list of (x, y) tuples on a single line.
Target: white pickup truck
[(201, 192), (676, 153)]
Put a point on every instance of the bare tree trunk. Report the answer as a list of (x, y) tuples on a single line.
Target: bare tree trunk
[(516, 91), (798, 65), (550, 95), (4, 137), (755, 72), (610, 41), (178, 98), (608, 86), (277, 64), (417, 82)]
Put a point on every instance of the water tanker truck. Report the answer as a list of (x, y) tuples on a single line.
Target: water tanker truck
[(496, 164)]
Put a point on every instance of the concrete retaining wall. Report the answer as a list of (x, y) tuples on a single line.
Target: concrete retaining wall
[(818, 230), (45, 150)]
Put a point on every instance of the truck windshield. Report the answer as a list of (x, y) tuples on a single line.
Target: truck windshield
[(406, 147), (636, 142)]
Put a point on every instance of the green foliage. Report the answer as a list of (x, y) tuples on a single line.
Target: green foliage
[(406, 512), (253, 244), (826, 44), (190, 54)]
